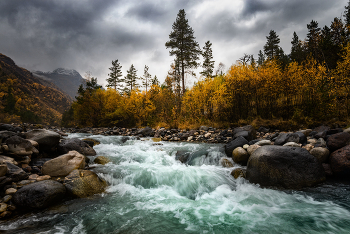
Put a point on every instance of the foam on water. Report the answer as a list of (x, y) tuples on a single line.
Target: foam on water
[(151, 192)]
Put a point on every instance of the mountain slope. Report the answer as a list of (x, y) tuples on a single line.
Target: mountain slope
[(66, 80), (24, 98)]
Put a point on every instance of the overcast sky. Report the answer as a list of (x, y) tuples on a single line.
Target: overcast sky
[(86, 35)]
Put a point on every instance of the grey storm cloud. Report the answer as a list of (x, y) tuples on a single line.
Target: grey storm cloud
[(87, 35)]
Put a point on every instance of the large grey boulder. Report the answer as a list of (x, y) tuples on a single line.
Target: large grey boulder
[(286, 167), (247, 128), (147, 131), (340, 162), (40, 194), (18, 146), (45, 138), (64, 164), (84, 183), (338, 140), (75, 144)]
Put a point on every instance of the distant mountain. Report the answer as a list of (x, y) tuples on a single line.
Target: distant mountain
[(23, 97), (67, 80)]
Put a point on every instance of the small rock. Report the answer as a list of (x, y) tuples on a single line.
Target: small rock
[(252, 148), (3, 207), (10, 191), (5, 214), (190, 138), (245, 146), (154, 139), (263, 142), (101, 160), (308, 147), (7, 198), (292, 144), (320, 153), (240, 156), (226, 163), (238, 172), (42, 178), (3, 169), (33, 177)]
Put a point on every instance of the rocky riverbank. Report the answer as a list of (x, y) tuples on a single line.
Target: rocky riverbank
[(39, 168)]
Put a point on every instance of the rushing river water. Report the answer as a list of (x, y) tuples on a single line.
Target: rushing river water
[(151, 192)]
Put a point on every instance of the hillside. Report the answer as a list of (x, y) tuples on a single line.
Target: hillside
[(23, 97), (66, 80)]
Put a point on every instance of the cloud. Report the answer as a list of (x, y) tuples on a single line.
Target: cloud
[(87, 35)]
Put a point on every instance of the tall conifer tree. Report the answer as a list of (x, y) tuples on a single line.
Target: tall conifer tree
[(271, 48), (131, 79), (114, 80), (183, 45), (208, 63)]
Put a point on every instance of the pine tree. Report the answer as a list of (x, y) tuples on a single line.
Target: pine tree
[(297, 53), (114, 80), (183, 45), (208, 63), (146, 78), (313, 38), (155, 81), (261, 58), (130, 79), (271, 48)]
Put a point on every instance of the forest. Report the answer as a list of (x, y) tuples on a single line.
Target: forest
[(304, 88)]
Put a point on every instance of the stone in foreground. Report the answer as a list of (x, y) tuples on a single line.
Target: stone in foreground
[(40, 194), (83, 183), (287, 167), (340, 162), (64, 164)]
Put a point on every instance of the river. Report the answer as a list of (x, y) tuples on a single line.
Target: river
[(152, 192)]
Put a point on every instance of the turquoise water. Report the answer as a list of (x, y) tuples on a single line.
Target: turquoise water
[(151, 192)]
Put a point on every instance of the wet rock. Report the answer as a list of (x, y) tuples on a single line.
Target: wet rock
[(77, 145), (340, 162), (4, 135), (3, 207), (238, 142), (9, 127), (91, 142), (45, 138), (147, 131), (83, 183), (338, 140), (10, 191), (240, 156), (322, 129), (226, 163), (320, 153), (246, 134), (16, 173), (327, 169), (18, 146), (40, 194), (203, 128), (287, 167), (284, 137), (101, 160), (252, 148), (7, 198), (238, 172), (248, 128), (263, 129), (308, 147), (64, 164), (263, 142), (182, 156), (292, 144), (302, 137), (3, 169), (42, 178)]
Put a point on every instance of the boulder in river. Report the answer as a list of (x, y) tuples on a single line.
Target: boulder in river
[(40, 194), (240, 156), (285, 137), (84, 183), (340, 162), (45, 138), (64, 164), (238, 142), (18, 146), (288, 167), (338, 140), (75, 144)]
